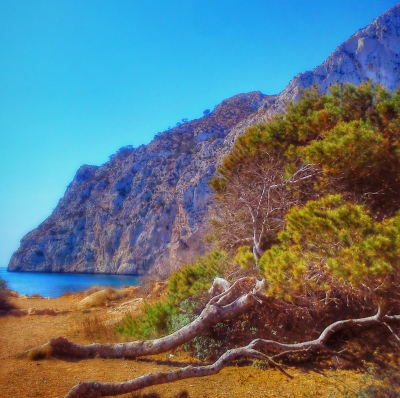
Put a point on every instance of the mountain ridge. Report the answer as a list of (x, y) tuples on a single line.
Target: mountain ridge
[(147, 208)]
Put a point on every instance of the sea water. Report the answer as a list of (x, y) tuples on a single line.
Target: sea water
[(55, 284)]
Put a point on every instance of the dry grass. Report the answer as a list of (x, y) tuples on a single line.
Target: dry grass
[(91, 290), (97, 328), (147, 284)]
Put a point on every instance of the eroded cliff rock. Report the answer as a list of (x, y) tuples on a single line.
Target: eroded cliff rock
[(145, 207), (148, 207)]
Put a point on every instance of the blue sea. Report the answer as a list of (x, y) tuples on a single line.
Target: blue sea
[(54, 285)]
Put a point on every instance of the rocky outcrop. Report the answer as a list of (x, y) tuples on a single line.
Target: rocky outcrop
[(147, 207), (371, 53)]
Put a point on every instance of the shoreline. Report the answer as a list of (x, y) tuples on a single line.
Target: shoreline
[(56, 284), (69, 273)]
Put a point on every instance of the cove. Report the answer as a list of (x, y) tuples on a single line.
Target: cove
[(55, 284)]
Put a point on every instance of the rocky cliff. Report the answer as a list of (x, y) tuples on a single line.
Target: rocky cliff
[(371, 53), (147, 207)]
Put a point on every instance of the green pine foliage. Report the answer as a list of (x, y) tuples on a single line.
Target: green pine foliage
[(332, 249), (189, 282), (245, 258), (341, 241), (194, 280), (352, 134)]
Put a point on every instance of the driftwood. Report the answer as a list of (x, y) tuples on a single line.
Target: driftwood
[(233, 301)]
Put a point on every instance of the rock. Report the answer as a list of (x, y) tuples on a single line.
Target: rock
[(93, 300), (144, 208), (147, 208), (371, 53), (100, 298), (128, 307)]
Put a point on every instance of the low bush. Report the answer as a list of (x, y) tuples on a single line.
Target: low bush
[(191, 281), (5, 304), (152, 322), (195, 279), (98, 329)]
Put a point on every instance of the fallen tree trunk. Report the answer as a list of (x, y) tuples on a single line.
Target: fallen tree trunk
[(92, 389), (233, 301), (229, 304)]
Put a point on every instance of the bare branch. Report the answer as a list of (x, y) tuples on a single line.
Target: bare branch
[(391, 331), (255, 200), (92, 389)]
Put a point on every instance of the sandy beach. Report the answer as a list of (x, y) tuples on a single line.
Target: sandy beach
[(25, 378)]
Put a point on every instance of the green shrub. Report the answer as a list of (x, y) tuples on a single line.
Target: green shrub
[(204, 347), (183, 316), (152, 322), (195, 279), (176, 309), (380, 382), (330, 248)]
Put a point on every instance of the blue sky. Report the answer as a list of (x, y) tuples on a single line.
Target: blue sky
[(80, 79)]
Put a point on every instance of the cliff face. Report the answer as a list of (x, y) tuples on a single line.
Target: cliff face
[(147, 207)]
